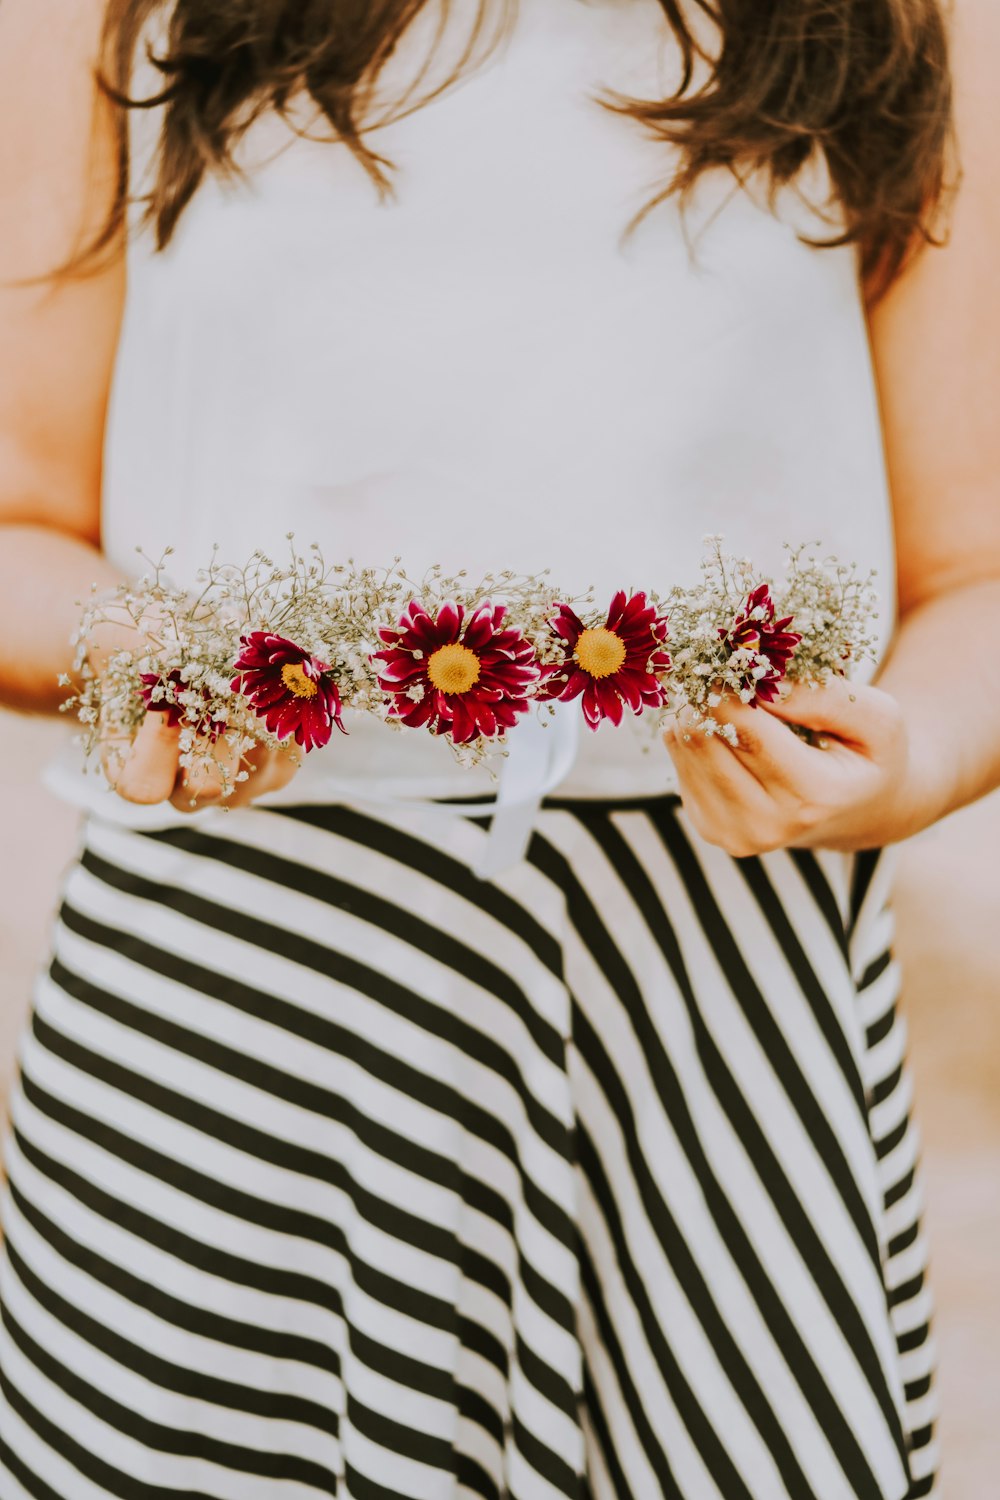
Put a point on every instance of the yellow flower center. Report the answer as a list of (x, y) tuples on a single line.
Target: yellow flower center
[(294, 677), (453, 668), (600, 652)]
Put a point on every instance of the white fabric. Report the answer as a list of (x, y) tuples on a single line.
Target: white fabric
[(481, 373), (337, 1173)]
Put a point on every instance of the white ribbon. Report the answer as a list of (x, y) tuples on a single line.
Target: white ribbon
[(541, 751)]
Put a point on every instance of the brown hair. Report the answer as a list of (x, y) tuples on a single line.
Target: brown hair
[(864, 81)]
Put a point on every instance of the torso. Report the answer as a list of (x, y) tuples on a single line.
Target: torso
[(480, 373)]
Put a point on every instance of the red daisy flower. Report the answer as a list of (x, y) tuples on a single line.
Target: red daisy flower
[(613, 666), (460, 676), (292, 691), (756, 629), (167, 703)]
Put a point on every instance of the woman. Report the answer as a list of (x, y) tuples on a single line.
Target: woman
[(334, 1169)]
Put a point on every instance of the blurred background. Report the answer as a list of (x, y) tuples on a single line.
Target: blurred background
[(948, 909)]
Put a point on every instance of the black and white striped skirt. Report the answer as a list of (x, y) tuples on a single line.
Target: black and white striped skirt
[(335, 1171)]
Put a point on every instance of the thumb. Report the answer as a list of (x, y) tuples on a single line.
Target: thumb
[(149, 769), (270, 770), (850, 711)]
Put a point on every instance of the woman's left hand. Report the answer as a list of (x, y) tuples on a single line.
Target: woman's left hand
[(855, 787)]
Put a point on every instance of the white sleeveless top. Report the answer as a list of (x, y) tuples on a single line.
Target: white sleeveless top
[(481, 373)]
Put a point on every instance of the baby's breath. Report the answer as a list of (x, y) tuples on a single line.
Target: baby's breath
[(190, 639), (832, 608)]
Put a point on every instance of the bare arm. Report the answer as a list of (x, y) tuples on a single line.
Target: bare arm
[(926, 740), (57, 338), (936, 340)]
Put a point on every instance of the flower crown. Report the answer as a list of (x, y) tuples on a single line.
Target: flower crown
[(273, 655)]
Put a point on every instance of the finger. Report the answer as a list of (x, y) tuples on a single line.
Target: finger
[(774, 756), (270, 770), (726, 804), (852, 712), (205, 782), (706, 762), (281, 768), (148, 770)]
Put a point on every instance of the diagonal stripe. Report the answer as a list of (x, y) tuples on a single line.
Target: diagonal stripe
[(227, 1394), (383, 914), (376, 986), (404, 1151), (813, 991), (800, 1093), (809, 1375), (326, 1153), (156, 1435), (811, 1244)]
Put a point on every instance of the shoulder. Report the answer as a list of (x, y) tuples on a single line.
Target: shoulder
[(936, 337), (44, 41), (56, 136), (975, 59), (58, 171)]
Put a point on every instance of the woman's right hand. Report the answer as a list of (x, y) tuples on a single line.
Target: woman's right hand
[(148, 770)]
